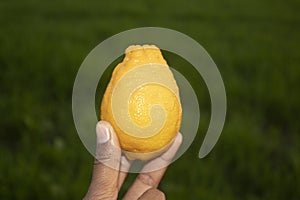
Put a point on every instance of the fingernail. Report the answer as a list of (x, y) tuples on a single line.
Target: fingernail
[(178, 138), (103, 134)]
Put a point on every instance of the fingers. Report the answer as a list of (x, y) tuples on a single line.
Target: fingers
[(106, 166), (150, 179), (124, 167), (164, 160), (153, 194), (108, 151)]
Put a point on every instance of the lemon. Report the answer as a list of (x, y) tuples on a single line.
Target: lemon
[(142, 103)]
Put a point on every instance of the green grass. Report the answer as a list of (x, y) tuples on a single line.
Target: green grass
[(254, 43)]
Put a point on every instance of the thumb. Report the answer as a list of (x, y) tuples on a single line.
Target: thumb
[(104, 182), (108, 151)]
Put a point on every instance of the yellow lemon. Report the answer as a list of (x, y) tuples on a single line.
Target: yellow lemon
[(142, 103)]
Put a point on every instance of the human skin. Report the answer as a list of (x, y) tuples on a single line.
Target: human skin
[(107, 181)]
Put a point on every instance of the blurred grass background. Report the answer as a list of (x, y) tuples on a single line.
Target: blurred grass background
[(254, 43)]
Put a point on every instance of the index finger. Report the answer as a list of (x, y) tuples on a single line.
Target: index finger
[(147, 180)]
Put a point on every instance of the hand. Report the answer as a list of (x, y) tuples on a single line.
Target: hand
[(106, 181)]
